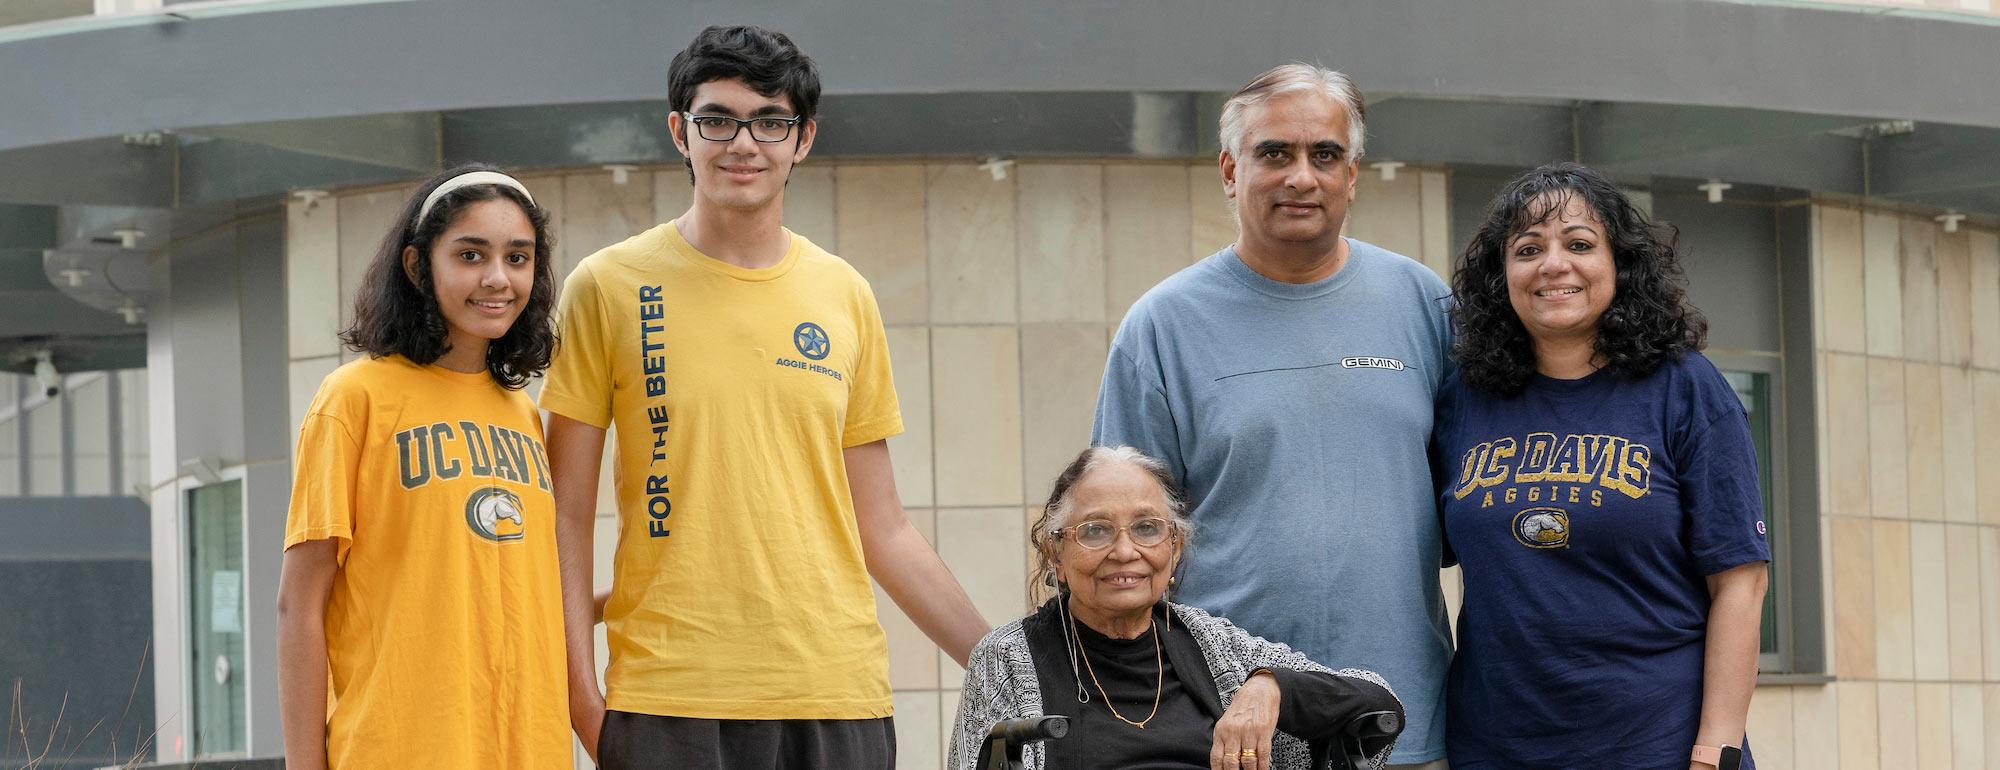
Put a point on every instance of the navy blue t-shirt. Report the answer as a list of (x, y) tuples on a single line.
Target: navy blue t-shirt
[(1585, 515)]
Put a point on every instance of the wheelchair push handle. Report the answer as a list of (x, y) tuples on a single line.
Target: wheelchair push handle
[(1373, 727), (1375, 724), (1026, 730), (1002, 748)]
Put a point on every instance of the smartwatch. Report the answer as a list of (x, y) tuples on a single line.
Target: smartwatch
[(1722, 757)]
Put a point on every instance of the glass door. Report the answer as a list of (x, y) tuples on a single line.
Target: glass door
[(215, 617)]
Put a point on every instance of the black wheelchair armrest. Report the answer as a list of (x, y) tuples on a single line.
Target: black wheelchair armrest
[(1374, 727), (1002, 748)]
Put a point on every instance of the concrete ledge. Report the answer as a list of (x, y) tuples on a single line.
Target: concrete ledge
[(374, 58)]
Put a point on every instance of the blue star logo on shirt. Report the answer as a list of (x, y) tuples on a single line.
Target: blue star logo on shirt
[(811, 341)]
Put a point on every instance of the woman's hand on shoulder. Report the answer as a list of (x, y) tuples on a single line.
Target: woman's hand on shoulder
[(1242, 738)]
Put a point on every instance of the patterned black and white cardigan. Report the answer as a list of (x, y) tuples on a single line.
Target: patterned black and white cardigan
[(1001, 683)]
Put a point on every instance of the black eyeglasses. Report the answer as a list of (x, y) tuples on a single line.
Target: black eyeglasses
[(722, 128)]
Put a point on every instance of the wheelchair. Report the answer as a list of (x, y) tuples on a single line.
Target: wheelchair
[(1002, 747)]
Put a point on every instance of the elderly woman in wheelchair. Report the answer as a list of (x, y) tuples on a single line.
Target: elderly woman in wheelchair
[(1142, 681)]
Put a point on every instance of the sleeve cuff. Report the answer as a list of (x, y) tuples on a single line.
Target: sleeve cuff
[(869, 433), (596, 415), (1716, 564)]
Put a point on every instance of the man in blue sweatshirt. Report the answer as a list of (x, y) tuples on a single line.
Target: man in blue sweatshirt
[(1288, 381)]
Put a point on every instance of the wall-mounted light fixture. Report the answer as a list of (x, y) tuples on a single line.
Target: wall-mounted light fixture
[(310, 198), (997, 166), (1714, 188)]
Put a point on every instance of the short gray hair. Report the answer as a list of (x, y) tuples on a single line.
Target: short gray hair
[(1056, 513), (1287, 78)]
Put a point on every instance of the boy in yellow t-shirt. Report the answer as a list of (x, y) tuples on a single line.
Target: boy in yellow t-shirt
[(748, 376), (420, 578)]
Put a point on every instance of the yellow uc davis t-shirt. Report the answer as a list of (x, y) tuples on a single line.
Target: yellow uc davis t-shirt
[(739, 589), (444, 629)]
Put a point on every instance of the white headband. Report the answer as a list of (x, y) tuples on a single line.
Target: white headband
[(468, 179)]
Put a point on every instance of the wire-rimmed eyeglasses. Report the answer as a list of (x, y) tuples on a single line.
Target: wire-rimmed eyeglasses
[(1146, 532)]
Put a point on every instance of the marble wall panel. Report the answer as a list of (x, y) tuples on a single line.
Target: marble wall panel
[(1962, 602), (976, 410), (1853, 596), (1815, 728), (1934, 722), (971, 228), (1060, 239), (1983, 276), (1213, 222), (1954, 297), (1768, 726), (1923, 435), (809, 206), (362, 222), (1931, 632), (312, 273), (1888, 449), (1920, 291), (1840, 304), (1146, 230), (1895, 643), (1846, 437), (912, 451), (1897, 725), (1062, 366), (879, 213), (1960, 473), (1860, 737), (599, 212), (1882, 272)]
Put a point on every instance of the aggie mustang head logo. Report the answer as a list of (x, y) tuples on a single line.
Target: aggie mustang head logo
[(490, 510), (1542, 528)]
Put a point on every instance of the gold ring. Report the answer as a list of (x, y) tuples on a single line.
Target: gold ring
[(1247, 753)]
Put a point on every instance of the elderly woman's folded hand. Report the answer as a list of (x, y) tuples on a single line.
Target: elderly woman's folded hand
[(1245, 730)]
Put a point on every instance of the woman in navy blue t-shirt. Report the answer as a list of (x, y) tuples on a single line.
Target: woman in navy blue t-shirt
[(1599, 490)]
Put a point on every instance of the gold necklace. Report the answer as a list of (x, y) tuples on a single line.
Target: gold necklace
[(1159, 678)]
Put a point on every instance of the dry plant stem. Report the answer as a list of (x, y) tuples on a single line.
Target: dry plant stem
[(72, 745), (144, 654), (60, 711)]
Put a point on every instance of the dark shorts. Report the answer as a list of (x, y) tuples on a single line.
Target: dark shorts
[(632, 741)]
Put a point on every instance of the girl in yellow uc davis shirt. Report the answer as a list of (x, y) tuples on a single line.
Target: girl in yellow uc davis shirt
[(420, 611)]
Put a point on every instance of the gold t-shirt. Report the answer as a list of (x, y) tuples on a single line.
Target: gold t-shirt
[(739, 589), (444, 628)]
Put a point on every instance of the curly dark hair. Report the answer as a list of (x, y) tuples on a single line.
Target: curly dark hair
[(1648, 322), (394, 315)]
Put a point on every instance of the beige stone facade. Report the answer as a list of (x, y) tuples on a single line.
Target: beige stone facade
[(1001, 293), (1906, 321)]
